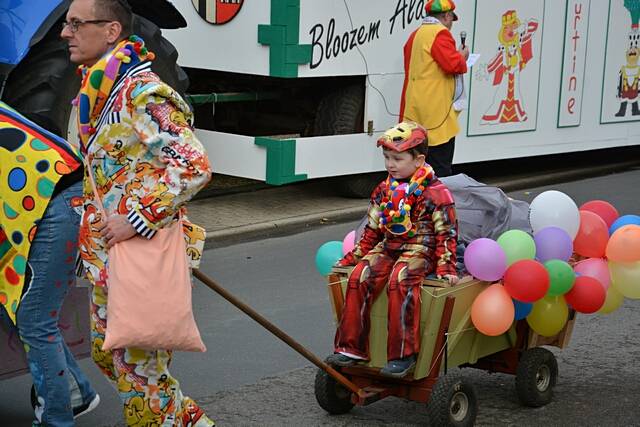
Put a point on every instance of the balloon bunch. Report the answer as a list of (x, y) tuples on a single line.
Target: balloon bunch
[(331, 252), (587, 258)]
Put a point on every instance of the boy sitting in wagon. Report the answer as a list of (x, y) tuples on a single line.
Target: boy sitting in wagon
[(411, 232)]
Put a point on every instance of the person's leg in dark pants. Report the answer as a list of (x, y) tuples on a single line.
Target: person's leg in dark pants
[(440, 157)]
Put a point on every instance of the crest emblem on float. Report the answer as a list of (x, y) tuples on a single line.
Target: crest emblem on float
[(217, 12)]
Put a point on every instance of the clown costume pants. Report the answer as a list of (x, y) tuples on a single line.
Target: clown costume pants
[(404, 275), (150, 395)]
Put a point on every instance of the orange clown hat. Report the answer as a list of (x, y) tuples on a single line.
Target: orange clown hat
[(403, 136)]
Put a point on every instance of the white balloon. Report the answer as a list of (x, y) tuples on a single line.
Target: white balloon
[(554, 209)]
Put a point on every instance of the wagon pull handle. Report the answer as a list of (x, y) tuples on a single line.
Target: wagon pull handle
[(278, 333)]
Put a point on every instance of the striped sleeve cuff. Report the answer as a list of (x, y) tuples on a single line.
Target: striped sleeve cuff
[(141, 227)]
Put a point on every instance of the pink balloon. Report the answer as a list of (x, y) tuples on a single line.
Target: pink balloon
[(596, 268), (349, 242), (485, 259)]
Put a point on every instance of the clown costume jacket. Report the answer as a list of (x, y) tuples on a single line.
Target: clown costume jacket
[(433, 216), (411, 232), (138, 141), (137, 137)]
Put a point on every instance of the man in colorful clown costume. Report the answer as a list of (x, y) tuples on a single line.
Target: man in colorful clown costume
[(136, 135), (431, 63), (40, 189), (514, 53), (628, 83), (411, 232)]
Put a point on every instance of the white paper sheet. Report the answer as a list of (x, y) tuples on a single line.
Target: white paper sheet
[(473, 57)]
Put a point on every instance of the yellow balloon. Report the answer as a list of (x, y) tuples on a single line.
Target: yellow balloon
[(613, 302), (625, 277), (548, 316)]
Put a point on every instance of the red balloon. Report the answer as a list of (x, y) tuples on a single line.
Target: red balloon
[(587, 295), (593, 235), (526, 280), (604, 210)]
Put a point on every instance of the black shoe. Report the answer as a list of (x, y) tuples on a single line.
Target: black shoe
[(635, 111), (400, 367), (85, 408), (623, 109), (339, 359)]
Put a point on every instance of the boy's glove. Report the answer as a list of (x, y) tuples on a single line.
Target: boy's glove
[(346, 261)]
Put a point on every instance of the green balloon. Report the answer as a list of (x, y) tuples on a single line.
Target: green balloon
[(561, 277), (517, 245)]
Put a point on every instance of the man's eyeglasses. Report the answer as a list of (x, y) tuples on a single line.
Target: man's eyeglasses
[(75, 24)]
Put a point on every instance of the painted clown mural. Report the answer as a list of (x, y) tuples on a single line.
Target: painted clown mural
[(622, 71), (514, 53), (504, 87), (217, 12)]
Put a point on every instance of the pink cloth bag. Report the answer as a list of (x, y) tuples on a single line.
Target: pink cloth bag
[(149, 292)]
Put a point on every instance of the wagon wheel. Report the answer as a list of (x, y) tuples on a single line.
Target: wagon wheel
[(536, 376), (453, 402), (331, 396)]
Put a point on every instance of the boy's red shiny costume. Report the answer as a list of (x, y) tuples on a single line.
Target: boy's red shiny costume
[(402, 262)]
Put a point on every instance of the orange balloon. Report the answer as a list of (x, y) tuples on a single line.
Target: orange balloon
[(624, 244), (492, 312), (591, 240)]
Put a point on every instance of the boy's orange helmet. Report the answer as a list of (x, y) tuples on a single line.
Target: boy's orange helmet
[(403, 136)]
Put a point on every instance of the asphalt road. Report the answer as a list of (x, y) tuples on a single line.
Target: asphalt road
[(248, 377)]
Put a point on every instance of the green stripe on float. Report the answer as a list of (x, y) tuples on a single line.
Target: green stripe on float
[(282, 35), (281, 160)]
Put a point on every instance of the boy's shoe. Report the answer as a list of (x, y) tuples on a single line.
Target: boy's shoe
[(400, 367), (193, 415), (85, 408), (339, 359)]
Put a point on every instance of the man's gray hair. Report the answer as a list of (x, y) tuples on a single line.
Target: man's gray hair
[(116, 10)]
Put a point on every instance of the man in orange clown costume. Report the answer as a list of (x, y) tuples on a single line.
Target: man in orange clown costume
[(431, 63), (411, 232)]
